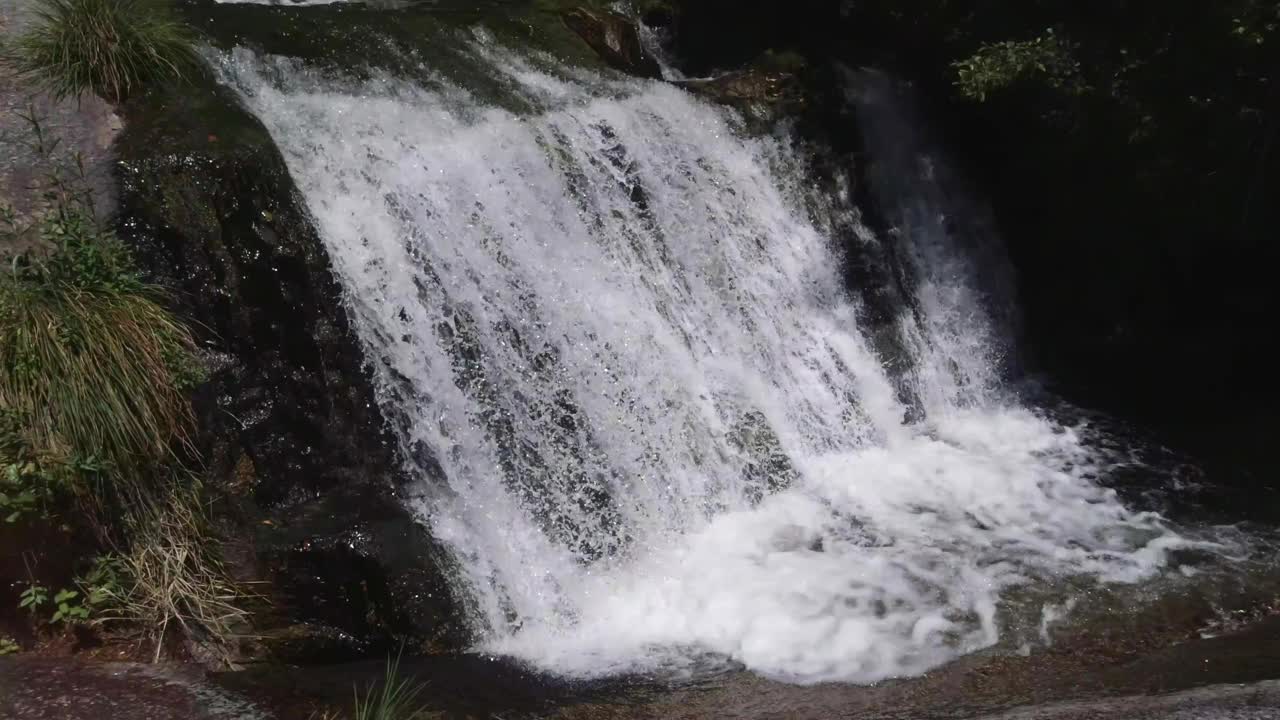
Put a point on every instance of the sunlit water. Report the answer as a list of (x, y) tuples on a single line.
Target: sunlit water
[(613, 338)]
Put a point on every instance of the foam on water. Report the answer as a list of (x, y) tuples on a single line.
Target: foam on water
[(619, 356)]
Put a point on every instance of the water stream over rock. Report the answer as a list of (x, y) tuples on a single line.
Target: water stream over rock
[(644, 413)]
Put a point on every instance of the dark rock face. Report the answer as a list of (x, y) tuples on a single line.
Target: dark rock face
[(775, 88), (289, 426), (615, 39)]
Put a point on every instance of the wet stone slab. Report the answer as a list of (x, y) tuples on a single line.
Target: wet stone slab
[(33, 688)]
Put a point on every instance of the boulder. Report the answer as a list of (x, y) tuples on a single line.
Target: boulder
[(772, 89), (615, 39), (289, 428)]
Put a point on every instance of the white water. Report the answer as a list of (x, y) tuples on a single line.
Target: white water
[(644, 417)]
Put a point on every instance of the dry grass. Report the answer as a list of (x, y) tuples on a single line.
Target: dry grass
[(175, 580)]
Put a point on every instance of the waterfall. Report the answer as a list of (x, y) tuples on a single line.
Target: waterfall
[(612, 335)]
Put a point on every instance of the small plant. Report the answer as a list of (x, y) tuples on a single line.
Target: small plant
[(69, 609), (107, 47), (105, 581), (20, 490), (29, 488), (8, 646), (33, 598), (395, 699)]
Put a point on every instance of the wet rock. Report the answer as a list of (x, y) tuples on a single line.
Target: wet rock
[(289, 428), (34, 688), (777, 90), (615, 38)]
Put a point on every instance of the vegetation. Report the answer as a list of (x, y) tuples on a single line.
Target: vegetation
[(996, 66), (95, 427), (107, 47), (93, 370), (171, 578), (395, 698)]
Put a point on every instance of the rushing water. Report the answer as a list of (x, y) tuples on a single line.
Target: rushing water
[(613, 336)]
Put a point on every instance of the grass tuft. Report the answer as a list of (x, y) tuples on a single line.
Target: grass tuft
[(396, 698), (174, 580), (94, 370), (107, 47)]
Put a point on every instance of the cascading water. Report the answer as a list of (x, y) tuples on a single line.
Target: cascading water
[(612, 335)]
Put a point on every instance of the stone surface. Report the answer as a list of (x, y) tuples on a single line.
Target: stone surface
[(289, 428), (85, 127), (615, 39), (61, 689), (750, 86)]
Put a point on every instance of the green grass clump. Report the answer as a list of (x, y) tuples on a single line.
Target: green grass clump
[(396, 698), (96, 368), (107, 47)]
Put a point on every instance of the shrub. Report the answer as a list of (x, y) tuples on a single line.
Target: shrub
[(107, 47), (996, 66)]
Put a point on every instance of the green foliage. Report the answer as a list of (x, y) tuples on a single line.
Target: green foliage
[(33, 598), (106, 580), (24, 491), (98, 590), (8, 646), (93, 371), (394, 699), (996, 66), (69, 607), (107, 47)]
